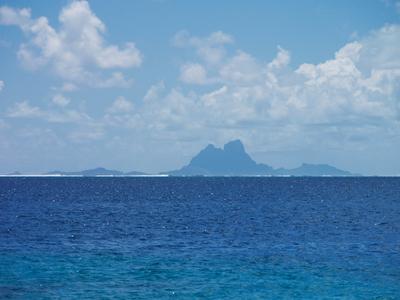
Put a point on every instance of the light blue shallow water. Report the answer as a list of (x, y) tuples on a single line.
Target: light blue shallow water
[(197, 238)]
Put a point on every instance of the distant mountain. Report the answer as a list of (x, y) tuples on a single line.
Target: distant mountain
[(95, 172), (90, 172), (313, 170), (232, 159)]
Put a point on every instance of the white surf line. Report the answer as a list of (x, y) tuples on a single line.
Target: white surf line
[(61, 175)]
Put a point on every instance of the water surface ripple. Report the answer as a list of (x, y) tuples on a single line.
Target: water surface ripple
[(200, 238)]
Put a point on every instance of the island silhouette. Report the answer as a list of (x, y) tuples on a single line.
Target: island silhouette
[(230, 160), (233, 160)]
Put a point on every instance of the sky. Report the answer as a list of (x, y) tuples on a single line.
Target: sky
[(144, 85)]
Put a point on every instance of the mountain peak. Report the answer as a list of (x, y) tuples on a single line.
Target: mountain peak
[(210, 147), (232, 159), (234, 146)]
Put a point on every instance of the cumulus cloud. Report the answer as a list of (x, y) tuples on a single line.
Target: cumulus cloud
[(183, 39), (117, 79), (241, 68), (193, 73), (120, 105), (77, 51), (10, 16), (68, 87), (1, 85), (345, 100), (154, 92), (281, 60), (60, 100), (352, 97), (25, 110), (210, 49), (87, 134), (81, 129)]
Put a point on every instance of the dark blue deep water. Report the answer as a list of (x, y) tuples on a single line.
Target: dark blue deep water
[(200, 238)]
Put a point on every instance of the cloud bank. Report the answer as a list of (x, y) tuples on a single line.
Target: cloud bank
[(77, 52), (350, 98)]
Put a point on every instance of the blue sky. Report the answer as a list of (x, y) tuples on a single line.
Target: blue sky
[(144, 85)]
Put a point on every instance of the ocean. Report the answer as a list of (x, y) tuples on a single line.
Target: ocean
[(199, 238)]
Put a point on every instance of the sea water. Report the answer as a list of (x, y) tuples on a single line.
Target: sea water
[(199, 238)]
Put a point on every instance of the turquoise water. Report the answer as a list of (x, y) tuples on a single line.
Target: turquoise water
[(200, 238)]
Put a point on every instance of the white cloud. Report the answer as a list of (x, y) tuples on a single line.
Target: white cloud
[(76, 50), (68, 87), (78, 126), (60, 100), (353, 97), (210, 49), (241, 68), (67, 116), (87, 134), (211, 99), (380, 49), (282, 59), (117, 79), (25, 110), (193, 73), (184, 39), (1, 85), (270, 103), (340, 72), (154, 91), (120, 105), (10, 16)]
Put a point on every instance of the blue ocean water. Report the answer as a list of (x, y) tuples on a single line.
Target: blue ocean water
[(200, 238)]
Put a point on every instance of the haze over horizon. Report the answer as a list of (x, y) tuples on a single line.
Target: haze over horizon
[(145, 85)]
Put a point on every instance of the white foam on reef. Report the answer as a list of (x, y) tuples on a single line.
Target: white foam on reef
[(145, 175), (62, 175), (142, 175), (41, 175)]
